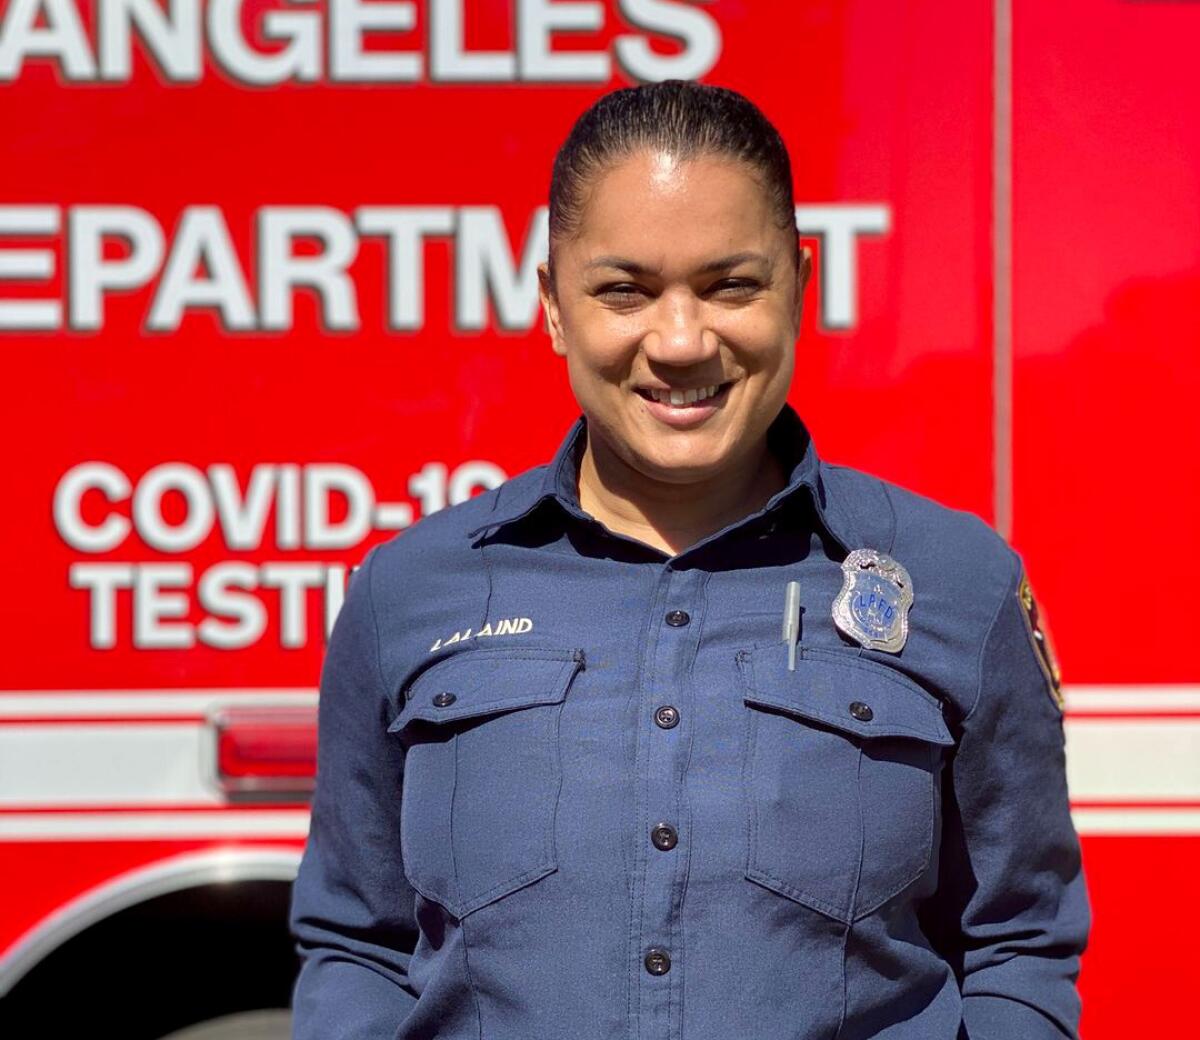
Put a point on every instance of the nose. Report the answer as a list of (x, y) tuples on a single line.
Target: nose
[(678, 332)]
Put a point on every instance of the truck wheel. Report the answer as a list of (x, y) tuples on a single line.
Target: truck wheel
[(268, 1024)]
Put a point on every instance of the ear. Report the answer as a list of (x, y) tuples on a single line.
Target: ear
[(551, 319), (803, 274)]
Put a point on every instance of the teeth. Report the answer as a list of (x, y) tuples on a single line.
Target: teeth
[(682, 398)]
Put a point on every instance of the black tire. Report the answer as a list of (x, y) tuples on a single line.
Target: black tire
[(267, 1024)]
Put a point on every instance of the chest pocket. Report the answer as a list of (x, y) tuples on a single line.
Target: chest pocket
[(842, 771), (482, 772)]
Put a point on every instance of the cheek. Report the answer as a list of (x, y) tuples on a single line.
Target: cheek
[(756, 329), (596, 374), (602, 341)]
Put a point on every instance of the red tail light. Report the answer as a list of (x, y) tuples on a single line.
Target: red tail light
[(266, 751)]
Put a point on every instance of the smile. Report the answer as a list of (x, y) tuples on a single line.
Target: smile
[(685, 398)]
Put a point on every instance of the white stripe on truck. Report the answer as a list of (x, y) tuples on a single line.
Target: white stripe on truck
[(1133, 763)]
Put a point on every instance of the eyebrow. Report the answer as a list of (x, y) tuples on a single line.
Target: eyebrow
[(720, 264)]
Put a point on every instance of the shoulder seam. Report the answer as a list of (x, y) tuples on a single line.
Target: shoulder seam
[(1009, 588), (368, 573), (887, 494)]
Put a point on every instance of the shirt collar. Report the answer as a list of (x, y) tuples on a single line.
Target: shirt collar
[(787, 437)]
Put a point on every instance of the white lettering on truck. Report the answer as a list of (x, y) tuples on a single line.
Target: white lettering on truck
[(176, 508), (198, 269), (310, 41)]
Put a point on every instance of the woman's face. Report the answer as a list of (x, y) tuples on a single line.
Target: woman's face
[(677, 279)]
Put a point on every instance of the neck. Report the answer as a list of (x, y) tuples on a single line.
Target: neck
[(669, 516)]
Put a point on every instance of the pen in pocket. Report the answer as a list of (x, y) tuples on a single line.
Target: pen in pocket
[(791, 621)]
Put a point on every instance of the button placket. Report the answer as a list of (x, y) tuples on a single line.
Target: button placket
[(672, 643)]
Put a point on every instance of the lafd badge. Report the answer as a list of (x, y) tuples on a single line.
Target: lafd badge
[(1039, 634), (872, 607)]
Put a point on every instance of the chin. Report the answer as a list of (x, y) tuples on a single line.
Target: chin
[(695, 465)]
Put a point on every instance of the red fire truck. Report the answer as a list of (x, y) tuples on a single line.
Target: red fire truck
[(267, 297)]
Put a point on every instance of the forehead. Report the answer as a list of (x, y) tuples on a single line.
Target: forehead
[(656, 202)]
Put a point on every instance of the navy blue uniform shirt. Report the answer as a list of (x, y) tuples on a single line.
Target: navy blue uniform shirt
[(568, 789)]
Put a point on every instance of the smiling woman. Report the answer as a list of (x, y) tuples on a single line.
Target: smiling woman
[(640, 812), (673, 288)]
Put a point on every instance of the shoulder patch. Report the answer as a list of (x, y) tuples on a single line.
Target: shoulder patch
[(1039, 636)]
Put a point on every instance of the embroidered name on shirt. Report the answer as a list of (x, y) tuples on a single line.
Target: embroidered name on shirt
[(503, 627)]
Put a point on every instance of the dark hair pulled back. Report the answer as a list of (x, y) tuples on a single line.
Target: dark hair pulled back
[(682, 117)]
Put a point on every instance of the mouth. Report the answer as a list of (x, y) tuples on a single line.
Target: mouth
[(683, 400), (685, 409)]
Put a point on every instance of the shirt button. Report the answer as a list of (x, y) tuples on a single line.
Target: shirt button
[(657, 961), (664, 837), (666, 716), (861, 711), (442, 699), (678, 618)]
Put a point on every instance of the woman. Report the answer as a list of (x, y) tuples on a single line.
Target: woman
[(573, 784)]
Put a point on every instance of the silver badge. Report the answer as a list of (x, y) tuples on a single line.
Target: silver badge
[(873, 604)]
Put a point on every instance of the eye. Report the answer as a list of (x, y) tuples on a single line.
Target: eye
[(735, 287), (619, 292)]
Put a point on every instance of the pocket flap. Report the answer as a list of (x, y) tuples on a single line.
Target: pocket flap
[(825, 684), (488, 680)]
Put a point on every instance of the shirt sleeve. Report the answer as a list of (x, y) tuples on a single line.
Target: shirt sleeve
[(1011, 912), (352, 911)]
